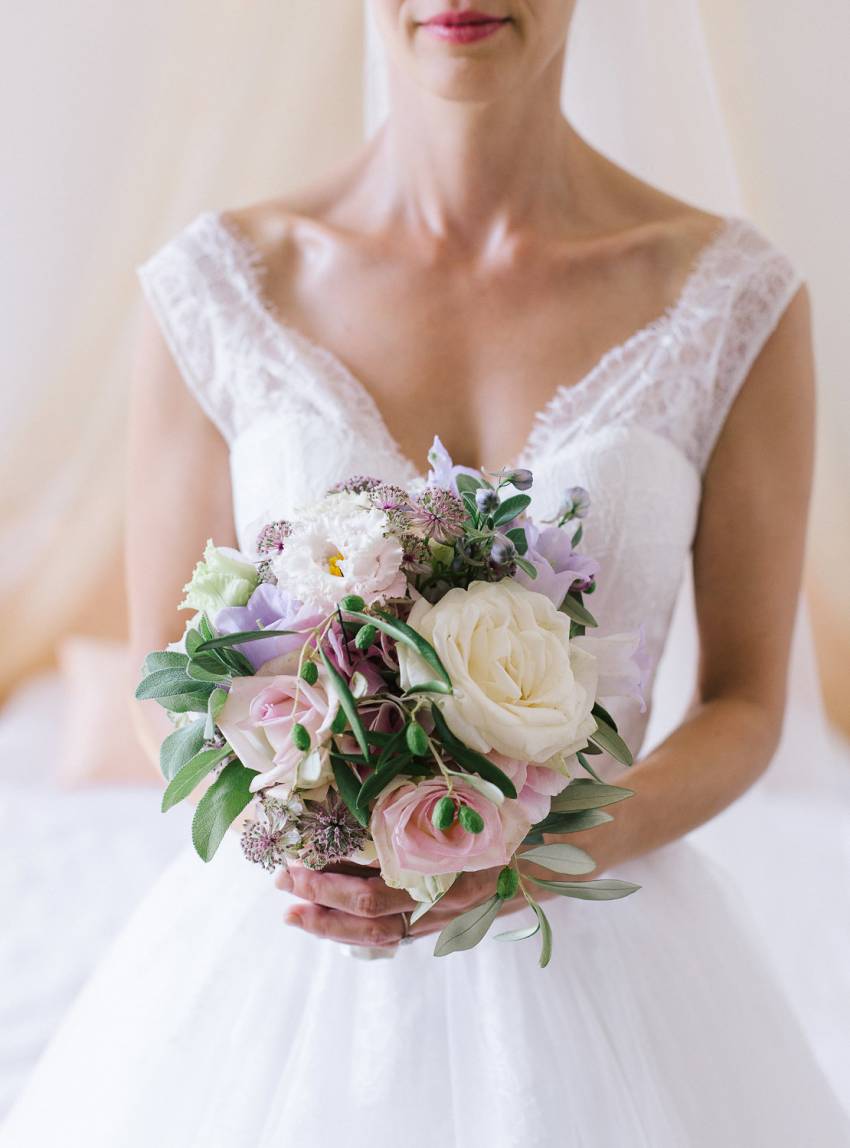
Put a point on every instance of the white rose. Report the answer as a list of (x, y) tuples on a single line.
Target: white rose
[(521, 687)]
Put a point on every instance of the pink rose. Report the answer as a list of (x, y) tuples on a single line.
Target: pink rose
[(536, 785), (408, 844), (257, 720)]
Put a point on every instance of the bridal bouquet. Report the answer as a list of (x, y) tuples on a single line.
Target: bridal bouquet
[(403, 677)]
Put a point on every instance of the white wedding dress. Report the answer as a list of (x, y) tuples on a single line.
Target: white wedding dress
[(661, 1021)]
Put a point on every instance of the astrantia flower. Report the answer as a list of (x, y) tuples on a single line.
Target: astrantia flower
[(272, 537), (439, 514), (340, 547), (329, 832), (269, 839), (355, 485)]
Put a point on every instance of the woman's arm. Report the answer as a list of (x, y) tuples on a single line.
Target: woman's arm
[(178, 496), (748, 558)]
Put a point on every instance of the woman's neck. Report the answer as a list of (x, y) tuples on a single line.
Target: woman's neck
[(472, 173)]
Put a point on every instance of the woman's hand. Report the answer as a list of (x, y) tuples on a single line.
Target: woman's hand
[(365, 911)]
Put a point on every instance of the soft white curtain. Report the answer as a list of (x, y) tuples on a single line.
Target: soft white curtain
[(120, 122)]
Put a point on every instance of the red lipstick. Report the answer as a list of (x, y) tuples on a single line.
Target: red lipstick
[(464, 27)]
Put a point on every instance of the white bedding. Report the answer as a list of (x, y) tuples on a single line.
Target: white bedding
[(73, 865)]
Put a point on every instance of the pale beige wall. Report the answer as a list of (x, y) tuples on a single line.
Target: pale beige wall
[(783, 71)]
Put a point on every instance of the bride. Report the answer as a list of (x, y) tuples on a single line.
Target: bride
[(481, 273)]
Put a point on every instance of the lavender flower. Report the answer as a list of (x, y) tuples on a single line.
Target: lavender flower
[(268, 608), (558, 566), (443, 472)]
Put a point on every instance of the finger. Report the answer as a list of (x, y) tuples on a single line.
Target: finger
[(333, 925), (360, 896)]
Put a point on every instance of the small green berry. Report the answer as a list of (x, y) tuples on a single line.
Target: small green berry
[(366, 636), (310, 673), (417, 739), (470, 819), (444, 813), (507, 884), (300, 737), (353, 603), (339, 722)]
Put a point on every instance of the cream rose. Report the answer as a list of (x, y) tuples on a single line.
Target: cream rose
[(521, 687)]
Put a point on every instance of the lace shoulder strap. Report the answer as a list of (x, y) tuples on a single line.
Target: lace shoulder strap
[(749, 289), (193, 284)]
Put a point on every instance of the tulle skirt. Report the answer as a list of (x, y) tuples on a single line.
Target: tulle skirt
[(660, 1023)]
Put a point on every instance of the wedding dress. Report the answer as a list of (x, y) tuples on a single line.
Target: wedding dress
[(659, 1023)]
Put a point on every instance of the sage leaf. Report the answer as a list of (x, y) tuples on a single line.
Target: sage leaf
[(560, 858), (180, 747), (468, 484), (510, 508), (219, 807), (169, 683), (606, 889), (214, 707), (191, 775), (164, 660), (465, 931)]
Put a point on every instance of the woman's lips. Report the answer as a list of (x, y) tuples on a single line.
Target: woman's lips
[(464, 27)]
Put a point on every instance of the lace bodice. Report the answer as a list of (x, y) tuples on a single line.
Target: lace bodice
[(637, 431)]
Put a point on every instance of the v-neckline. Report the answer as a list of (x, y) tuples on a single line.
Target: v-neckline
[(251, 265)]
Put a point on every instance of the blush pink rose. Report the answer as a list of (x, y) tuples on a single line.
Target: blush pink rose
[(257, 720), (408, 843), (536, 785)]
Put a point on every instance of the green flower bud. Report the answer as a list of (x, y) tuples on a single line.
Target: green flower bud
[(417, 739), (470, 819), (300, 737), (338, 724), (507, 884), (310, 673), (353, 603), (366, 636), (444, 813)]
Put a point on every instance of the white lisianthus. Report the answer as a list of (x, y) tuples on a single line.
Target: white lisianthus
[(520, 685), (338, 547), (224, 577)]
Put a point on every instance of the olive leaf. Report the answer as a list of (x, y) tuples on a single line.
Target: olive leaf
[(560, 858), (606, 889), (465, 931)]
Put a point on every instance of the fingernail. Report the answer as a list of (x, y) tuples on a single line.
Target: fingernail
[(292, 919), (284, 881)]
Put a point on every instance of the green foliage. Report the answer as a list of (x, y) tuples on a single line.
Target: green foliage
[(219, 807), (180, 747), (465, 931), (191, 775), (469, 758)]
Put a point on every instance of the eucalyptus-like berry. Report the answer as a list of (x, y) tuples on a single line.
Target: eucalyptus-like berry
[(521, 479), (300, 737), (486, 500), (503, 552), (444, 813), (508, 883), (470, 819), (310, 673), (365, 637), (417, 739), (353, 603)]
